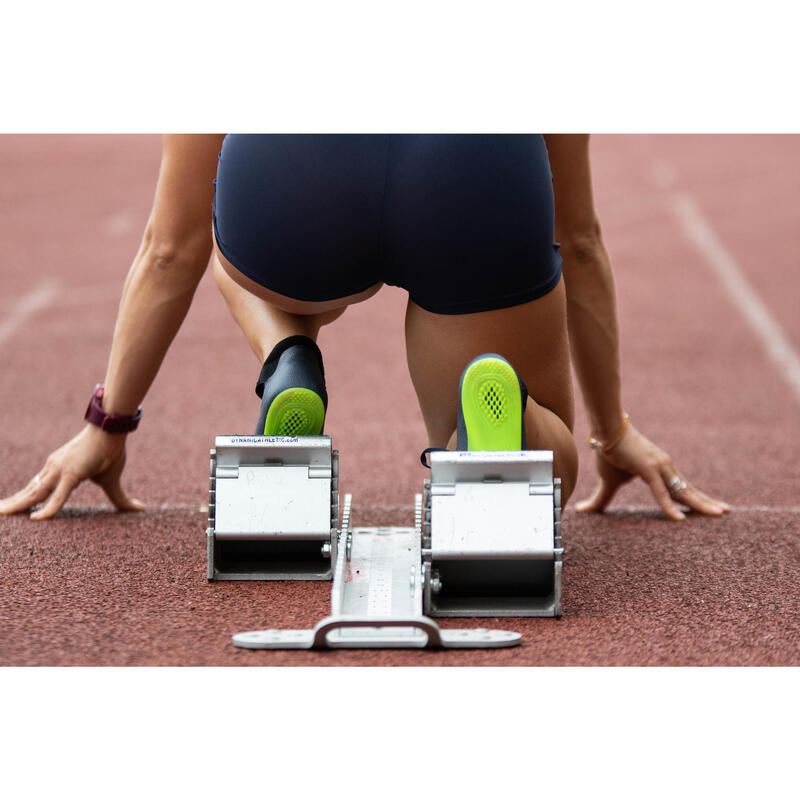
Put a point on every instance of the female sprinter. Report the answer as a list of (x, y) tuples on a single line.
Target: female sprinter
[(304, 226)]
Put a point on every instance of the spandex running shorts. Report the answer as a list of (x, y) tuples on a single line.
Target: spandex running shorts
[(463, 222)]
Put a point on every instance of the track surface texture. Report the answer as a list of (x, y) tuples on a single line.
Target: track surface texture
[(679, 214)]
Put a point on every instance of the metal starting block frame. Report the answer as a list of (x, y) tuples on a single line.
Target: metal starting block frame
[(376, 599), (273, 511), (486, 543), (492, 535)]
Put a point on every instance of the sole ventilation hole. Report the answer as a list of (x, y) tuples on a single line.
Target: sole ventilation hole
[(294, 422), (492, 400)]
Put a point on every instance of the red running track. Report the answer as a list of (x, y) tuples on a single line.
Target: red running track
[(679, 213)]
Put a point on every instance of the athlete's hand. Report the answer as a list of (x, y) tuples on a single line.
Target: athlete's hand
[(91, 454), (636, 456)]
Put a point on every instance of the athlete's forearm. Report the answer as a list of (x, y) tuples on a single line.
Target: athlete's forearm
[(154, 303), (589, 283), (161, 283), (594, 332)]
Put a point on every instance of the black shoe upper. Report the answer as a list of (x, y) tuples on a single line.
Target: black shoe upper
[(294, 362)]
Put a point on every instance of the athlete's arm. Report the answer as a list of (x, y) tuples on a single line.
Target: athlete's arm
[(158, 291), (594, 339)]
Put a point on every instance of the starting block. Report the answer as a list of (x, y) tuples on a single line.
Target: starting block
[(486, 543), (273, 510), (492, 535)]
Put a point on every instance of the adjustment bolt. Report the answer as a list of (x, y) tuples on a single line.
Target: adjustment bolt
[(326, 550), (436, 584)]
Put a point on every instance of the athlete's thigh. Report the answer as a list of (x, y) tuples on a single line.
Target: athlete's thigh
[(469, 221), (532, 336), (233, 283), (299, 215)]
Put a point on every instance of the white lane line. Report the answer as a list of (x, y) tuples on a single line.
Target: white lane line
[(739, 289), (662, 174), (368, 510), (120, 223), (34, 301), (768, 509), (198, 507), (88, 295), (371, 508), (734, 509)]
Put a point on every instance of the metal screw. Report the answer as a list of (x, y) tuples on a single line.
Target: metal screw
[(436, 583), (326, 550)]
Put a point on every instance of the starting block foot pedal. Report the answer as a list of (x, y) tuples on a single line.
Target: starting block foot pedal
[(492, 535), (273, 508), (376, 599)]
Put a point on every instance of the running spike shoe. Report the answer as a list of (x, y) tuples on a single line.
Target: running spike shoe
[(292, 390), (492, 399)]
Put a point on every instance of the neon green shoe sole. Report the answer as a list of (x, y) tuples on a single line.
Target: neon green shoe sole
[(295, 412), (491, 405)]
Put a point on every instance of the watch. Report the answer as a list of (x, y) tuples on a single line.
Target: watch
[(110, 423)]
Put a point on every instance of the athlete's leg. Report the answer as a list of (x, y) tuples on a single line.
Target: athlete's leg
[(297, 407), (266, 322), (296, 230), (267, 317), (532, 337)]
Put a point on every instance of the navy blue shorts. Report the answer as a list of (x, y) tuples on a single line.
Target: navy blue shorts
[(463, 222)]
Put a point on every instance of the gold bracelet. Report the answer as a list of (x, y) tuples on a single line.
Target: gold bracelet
[(615, 440)]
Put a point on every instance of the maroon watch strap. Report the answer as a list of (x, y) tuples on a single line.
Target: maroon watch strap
[(111, 423)]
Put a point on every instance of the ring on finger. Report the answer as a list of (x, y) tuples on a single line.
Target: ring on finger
[(677, 484)]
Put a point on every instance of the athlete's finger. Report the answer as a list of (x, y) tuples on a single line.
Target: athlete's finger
[(659, 490), (37, 490), (109, 482), (689, 495), (64, 489), (696, 501), (721, 503), (117, 495), (600, 497)]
